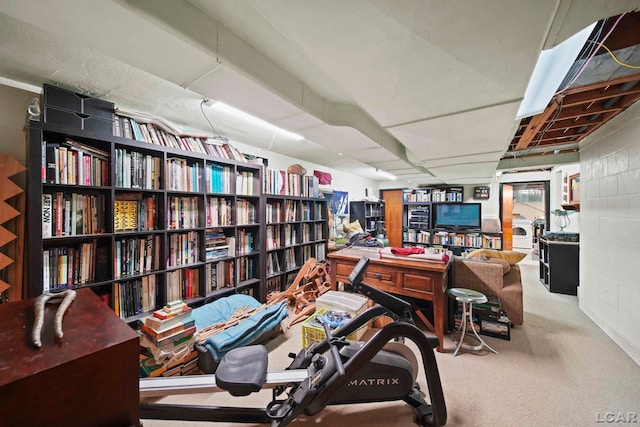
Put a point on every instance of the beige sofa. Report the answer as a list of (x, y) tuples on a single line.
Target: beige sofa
[(490, 279)]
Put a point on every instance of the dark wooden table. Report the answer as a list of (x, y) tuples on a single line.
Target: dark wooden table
[(87, 378), (416, 279)]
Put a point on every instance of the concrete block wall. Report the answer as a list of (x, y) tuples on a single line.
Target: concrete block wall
[(609, 289)]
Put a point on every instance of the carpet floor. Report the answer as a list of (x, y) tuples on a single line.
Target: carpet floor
[(558, 369)]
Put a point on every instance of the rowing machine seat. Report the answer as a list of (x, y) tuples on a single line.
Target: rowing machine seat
[(243, 370)]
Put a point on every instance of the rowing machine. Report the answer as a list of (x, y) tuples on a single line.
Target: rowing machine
[(332, 371)]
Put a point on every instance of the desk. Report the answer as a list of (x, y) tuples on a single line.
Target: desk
[(416, 279), (88, 378)]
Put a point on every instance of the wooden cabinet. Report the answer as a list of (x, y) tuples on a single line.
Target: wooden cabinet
[(369, 214), (87, 378), (560, 264), (426, 281)]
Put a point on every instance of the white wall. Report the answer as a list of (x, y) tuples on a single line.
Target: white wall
[(609, 290)]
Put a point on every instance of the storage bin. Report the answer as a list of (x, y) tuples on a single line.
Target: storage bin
[(313, 331), (351, 303), (67, 108)]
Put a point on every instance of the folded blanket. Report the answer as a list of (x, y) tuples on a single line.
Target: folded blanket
[(414, 255), (246, 331)]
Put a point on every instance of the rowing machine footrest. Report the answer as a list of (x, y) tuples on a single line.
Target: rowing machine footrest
[(243, 370)]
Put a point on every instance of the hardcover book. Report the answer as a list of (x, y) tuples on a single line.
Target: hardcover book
[(125, 215)]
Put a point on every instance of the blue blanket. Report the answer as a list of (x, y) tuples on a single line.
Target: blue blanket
[(243, 333)]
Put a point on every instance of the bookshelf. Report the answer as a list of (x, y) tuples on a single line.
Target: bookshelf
[(296, 226), (140, 220), (418, 227), (368, 213)]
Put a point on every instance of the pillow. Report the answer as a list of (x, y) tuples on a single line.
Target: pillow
[(353, 227), (512, 257)]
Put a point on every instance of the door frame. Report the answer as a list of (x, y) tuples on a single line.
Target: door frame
[(547, 199)]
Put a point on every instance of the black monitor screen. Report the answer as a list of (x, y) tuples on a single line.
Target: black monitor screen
[(457, 215)]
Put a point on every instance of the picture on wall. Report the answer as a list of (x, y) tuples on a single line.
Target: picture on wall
[(340, 203)]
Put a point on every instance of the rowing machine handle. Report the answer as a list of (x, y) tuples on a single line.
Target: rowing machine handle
[(335, 353)]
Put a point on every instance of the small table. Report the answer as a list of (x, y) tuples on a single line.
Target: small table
[(407, 277), (468, 297)]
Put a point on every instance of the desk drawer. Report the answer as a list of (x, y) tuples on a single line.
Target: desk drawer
[(380, 277), (418, 282)]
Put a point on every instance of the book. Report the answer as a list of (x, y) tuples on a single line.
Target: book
[(171, 341), (162, 325), (47, 214), (125, 215), (168, 313), (170, 330)]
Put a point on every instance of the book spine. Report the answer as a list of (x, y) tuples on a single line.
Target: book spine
[(47, 214)]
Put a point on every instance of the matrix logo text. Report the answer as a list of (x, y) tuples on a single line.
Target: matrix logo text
[(617, 417)]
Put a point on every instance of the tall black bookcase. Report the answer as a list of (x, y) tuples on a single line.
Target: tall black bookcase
[(296, 226), (140, 223), (418, 228), (368, 213)]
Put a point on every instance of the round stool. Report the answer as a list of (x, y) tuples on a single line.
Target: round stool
[(468, 297)]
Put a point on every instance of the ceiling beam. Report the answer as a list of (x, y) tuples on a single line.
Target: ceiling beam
[(536, 124)]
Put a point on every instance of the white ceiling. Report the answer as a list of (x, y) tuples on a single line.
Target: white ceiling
[(425, 90)]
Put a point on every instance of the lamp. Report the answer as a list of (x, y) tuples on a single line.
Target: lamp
[(222, 107), (386, 175)]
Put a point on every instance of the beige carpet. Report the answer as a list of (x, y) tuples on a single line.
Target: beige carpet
[(559, 369)]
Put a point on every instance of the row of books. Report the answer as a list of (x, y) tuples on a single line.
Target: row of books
[(219, 211), (246, 212), (290, 184), (218, 245), (136, 255), (246, 268), (182, 212), (244, 242), (74, 163), (72, 214), (219, 275), (273, 212), (67, 266), (128, 127), (182, 175), (135, 215), (135, 297), (137, 170), (183, 283), (453, 194), (184, 249), (245, 183), (218, 178)]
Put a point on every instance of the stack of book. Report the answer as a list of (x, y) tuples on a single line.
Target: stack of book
[(167, 338)]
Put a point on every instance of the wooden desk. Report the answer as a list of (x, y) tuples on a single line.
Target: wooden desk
[(88, 378), (417, 279)]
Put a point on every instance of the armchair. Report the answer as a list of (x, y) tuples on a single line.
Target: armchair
[(490, 279)]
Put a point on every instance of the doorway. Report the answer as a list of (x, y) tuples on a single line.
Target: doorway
[(523, 206)]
